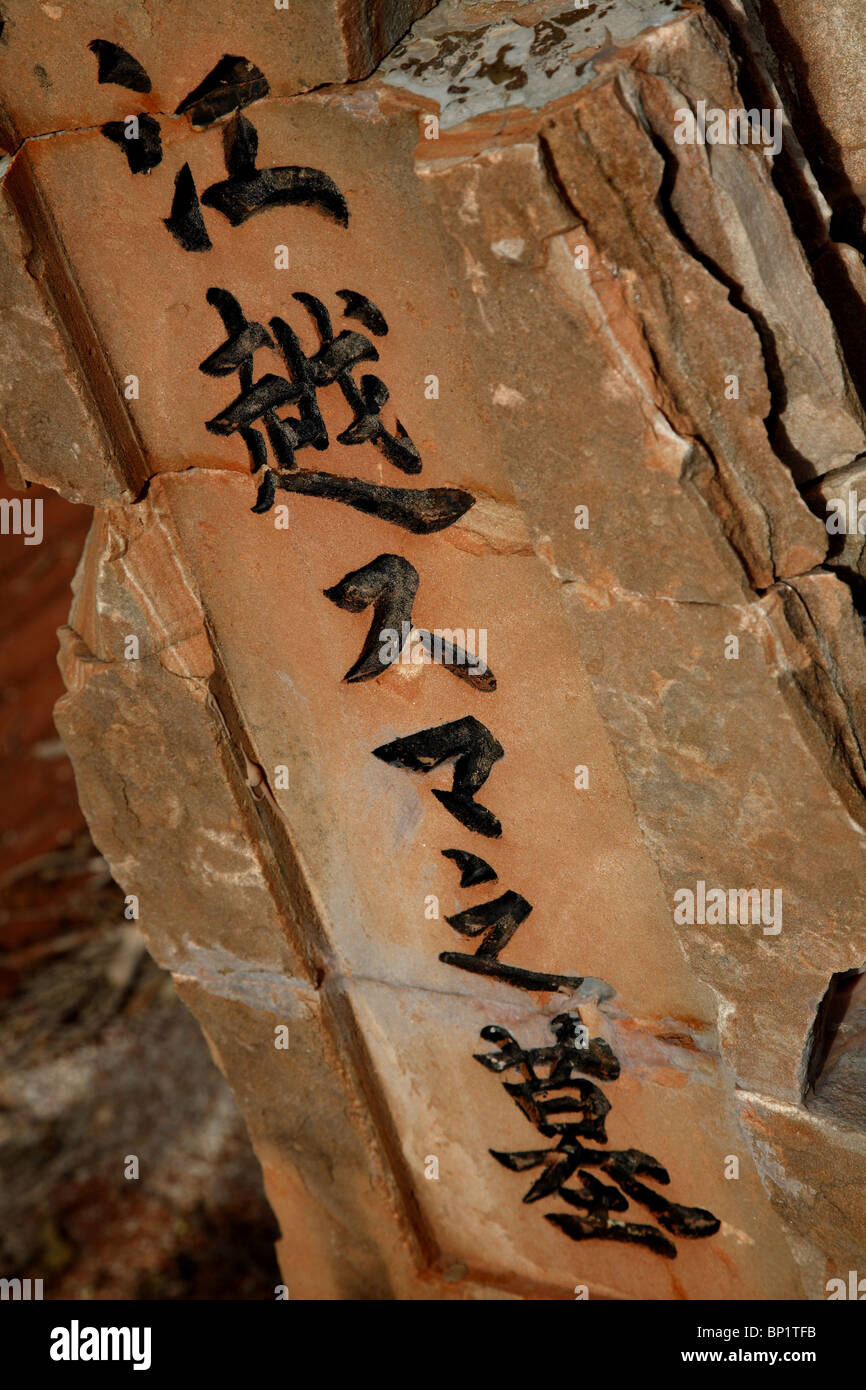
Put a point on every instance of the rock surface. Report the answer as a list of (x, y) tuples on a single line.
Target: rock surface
[(98, 1056)]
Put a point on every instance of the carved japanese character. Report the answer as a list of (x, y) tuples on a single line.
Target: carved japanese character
[(139, 138), (473, 869), (498, 920), (389, 583), (233, 83), (475, 750), (249, 190), (359, 307), (119, 67), (186, 222), (331, 364), (547, 1073), (419, 510)]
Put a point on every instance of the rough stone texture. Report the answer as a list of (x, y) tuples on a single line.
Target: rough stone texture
[(48, 420), (561, 384), (813, 1171), (817, 50), (384, 1006), (489, 58), (49, 79), (98, 1056)]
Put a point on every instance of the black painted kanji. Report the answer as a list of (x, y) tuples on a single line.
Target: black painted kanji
[(561, 1103)]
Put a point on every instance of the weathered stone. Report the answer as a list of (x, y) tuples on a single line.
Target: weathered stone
[(827, 663), (98, 1056), (813, 1171), (836, 500), (49, 425), (50, 81), (375, 952), (815, 50)]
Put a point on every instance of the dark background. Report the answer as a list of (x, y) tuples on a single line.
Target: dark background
[(98, 1057)]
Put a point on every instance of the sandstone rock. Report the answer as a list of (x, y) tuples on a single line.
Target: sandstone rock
[(98, 1056), (816, 57), (329, 954), (49, 425), (50, 81)]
